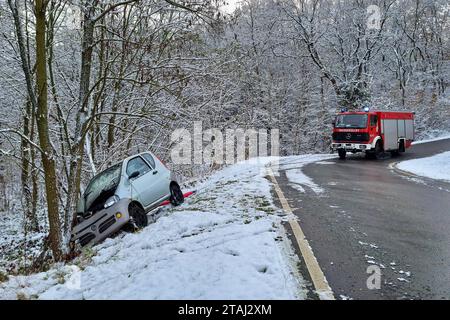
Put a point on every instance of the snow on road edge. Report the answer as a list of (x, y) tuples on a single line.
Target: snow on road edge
[(434, 167), (298, 180)]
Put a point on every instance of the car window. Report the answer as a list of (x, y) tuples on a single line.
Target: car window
[(149, 158), (373, 121), (137, 164)]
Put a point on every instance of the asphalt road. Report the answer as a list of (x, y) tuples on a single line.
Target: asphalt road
[(372, 214)]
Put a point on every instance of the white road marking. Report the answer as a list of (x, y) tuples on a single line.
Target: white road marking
[(317, 276)]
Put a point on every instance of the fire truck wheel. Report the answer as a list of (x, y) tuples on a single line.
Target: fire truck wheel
[(401, 146), (370, 155), (379, 150), (342, 154), (395, 153)]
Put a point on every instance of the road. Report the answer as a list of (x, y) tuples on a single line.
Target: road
[(373, 214)]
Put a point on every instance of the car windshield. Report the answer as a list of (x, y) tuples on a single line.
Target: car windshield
[(351, 121), (102, 182)]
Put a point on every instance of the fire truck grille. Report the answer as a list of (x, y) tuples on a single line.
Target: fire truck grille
[(350, 136)]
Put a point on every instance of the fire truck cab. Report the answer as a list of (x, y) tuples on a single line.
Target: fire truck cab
[(373, 132)]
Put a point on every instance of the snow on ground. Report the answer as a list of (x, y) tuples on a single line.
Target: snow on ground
[(226, 242), (296, 177), (435, 167), (17, 248), (433, 135)]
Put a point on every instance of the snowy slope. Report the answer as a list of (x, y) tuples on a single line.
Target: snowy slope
[(433, 135), (435, 167), (226, 242)]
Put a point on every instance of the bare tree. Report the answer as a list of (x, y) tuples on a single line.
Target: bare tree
[(48, 160)]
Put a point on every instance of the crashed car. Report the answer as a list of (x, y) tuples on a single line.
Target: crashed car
[(122, 195)]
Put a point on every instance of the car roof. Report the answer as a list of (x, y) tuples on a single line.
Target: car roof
[(126, 159), (137, 154)]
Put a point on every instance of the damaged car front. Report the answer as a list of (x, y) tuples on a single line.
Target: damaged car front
[(100, 210)]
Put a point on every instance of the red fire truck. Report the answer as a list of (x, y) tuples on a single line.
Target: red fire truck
[(373, 132)]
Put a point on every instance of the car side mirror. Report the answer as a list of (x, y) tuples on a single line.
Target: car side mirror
[(133, 175)]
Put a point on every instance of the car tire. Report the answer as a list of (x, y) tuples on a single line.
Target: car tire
[(176, 195), (138, 217), (342, 154)]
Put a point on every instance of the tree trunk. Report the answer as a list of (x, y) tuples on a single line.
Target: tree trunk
[(31, 223), (34, 170), (30, 196), (48, 161), (77, 152)]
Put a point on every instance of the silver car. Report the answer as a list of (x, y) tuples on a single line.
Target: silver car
[(122, 195)]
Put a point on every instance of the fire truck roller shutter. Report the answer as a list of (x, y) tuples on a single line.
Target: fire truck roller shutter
[(409, 128), (401, 126), (390, 134)]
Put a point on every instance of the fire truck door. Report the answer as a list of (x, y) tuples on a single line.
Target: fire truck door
[(373, 126)]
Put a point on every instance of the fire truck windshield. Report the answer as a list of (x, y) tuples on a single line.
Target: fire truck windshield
[(351, 121)]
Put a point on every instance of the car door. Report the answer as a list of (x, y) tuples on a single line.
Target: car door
[(160, 175), (143, 184)]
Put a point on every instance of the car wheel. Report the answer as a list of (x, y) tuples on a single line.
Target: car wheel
[(342, 154), (176, 195), (138, 217)]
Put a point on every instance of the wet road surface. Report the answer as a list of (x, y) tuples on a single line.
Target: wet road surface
[(371, 214)]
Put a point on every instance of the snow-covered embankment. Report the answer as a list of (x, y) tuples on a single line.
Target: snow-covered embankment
[(434, 167), (226, 242)]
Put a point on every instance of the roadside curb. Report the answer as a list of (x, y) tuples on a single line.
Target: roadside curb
[(393, 166), (441, 184)]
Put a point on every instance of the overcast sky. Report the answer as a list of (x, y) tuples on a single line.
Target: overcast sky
[(231, 6)]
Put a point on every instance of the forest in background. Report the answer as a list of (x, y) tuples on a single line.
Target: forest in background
[(84, 83)]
